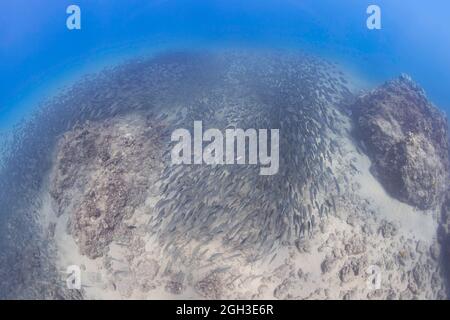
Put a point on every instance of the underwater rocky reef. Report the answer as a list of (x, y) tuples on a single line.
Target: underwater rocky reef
[(407, 140), (363, 182)]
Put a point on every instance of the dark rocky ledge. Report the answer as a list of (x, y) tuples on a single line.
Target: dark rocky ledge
[(406, 138)]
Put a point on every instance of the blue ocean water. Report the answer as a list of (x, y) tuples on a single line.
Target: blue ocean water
[(38, 54)]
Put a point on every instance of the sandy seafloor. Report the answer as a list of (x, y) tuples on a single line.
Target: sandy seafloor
[(292, 272), (319, 267), (41, 60)]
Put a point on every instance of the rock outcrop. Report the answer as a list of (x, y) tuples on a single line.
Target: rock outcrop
[(406, 138), (103, 172)]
